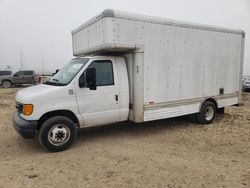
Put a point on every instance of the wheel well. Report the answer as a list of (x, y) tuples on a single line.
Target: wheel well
[(213, 101), (65, 113), (7, 80)]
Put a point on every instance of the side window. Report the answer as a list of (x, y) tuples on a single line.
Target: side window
[(5, 73), (104, 72), (28, 73), (20, 73)]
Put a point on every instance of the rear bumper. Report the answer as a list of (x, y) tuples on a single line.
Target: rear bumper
[(27, 129)]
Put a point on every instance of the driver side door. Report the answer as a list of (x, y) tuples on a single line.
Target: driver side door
[(100, 106)]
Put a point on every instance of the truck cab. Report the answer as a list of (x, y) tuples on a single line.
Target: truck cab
[(88, 91)]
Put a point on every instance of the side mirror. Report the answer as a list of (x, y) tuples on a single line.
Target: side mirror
[(91, 78), (88, 79), (82, 81)]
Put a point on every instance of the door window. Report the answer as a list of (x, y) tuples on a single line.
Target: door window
[(104, 72), (20, 73), (5, 73), (28, 73)]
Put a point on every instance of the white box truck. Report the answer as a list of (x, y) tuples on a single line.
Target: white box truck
[(137, 68)]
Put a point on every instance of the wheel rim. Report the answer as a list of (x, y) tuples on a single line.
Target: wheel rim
[(59, 135), (209, 113), (6, 84)]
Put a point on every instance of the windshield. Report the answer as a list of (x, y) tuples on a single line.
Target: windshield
[(67, 73)]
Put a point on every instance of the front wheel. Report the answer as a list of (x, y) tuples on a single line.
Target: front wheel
[(57, 133), (207, 113)]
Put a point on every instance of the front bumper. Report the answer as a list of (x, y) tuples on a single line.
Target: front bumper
[(246, 86), (27, 129)]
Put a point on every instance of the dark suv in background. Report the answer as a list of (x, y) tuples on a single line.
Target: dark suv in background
[(20, 77)]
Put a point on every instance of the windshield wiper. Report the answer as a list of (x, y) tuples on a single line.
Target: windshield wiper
[(55, 80), (54, 83)]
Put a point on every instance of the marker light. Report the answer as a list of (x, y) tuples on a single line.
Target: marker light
[(27, 109)]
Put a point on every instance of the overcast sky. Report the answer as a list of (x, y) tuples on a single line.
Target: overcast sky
[(44, 26)]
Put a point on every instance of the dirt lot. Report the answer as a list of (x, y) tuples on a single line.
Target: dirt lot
[(167, 153)]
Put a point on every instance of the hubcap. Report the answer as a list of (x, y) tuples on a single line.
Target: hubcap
[(6, 84), (59, 135), (209, 113)]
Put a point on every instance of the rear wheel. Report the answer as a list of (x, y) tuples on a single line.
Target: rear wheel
[(207, 113), (6, 84), (57, 133)]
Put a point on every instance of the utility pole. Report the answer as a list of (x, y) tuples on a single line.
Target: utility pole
[(21, 59), (42, 63)]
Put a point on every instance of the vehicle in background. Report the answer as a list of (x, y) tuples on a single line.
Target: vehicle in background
[(246, 85), (19, 78), (137, 68), (41, 78)]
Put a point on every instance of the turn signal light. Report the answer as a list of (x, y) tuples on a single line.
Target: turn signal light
[(27, 109)]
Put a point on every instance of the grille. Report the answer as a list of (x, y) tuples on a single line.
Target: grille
[(19, 107)]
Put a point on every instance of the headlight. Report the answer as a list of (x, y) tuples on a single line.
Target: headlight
[(27, 109)]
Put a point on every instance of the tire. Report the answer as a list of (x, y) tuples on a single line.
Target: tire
[(57, 133), (207, 113), (6, 84)]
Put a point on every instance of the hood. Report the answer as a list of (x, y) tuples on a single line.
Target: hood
[(42, 92)]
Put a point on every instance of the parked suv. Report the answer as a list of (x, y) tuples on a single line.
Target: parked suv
[(20, 77)]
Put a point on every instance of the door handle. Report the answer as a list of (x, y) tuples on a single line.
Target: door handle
[(116, 97)]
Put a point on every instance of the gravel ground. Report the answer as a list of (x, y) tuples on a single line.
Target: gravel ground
[(167, 153)]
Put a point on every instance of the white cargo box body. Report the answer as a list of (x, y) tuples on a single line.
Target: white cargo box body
[(173, 66)]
